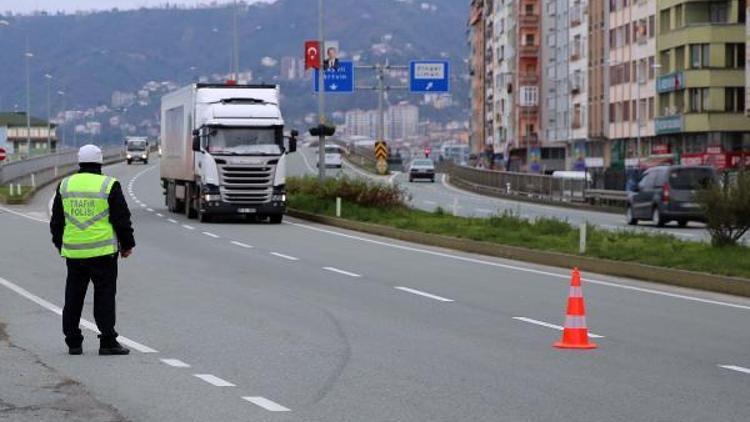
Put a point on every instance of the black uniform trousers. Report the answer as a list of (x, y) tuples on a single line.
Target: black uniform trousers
[(102, 271)]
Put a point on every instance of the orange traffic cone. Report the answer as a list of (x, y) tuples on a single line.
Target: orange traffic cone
[(575, 333)]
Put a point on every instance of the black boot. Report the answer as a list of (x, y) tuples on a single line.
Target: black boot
[(108, 346), (74, 345)]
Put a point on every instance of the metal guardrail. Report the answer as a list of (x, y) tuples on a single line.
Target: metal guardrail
[(519, 184), (39, 170), (606, 197)]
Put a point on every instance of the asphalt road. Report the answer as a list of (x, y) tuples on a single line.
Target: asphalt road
[(429, 196), (332, 325)]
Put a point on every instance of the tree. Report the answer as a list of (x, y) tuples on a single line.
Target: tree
[(727, 207)]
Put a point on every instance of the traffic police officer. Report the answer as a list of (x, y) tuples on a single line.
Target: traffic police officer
[(90, 227)]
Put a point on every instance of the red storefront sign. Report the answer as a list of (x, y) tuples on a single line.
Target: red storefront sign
[(719, 160)]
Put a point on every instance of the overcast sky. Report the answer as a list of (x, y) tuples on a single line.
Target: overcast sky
[(26, 6)]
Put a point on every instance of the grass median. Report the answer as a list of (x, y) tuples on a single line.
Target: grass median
[(16, 198), (379, 204)]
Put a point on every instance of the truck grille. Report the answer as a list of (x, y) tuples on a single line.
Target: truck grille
[(246, 184)]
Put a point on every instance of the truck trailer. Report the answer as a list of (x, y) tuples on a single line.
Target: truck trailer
[(224, 151)]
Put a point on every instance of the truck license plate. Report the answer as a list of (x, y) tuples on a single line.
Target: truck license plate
[(247, 210)]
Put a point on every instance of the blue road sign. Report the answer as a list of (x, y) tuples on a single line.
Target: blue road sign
[(337, 81), (429, 76)]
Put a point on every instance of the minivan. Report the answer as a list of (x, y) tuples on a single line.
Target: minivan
[(668, 193)]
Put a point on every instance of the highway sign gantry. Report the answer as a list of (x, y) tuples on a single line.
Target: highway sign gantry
[(337, 81), (429, 76)]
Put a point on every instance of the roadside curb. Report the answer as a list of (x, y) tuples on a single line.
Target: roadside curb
[(682, 278)]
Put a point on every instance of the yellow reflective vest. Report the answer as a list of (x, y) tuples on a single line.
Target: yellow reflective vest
[(88, 232)]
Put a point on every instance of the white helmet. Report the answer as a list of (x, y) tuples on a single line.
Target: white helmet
[(90, 154)]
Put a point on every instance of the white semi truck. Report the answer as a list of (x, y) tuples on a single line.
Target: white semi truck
[(224, 151)]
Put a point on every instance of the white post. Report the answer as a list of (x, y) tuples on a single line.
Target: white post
[(582, 245), (10, 189), (33, 181), (338, 207), (455, 206)]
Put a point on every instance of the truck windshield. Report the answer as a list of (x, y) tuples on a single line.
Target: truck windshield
[(244, 141), (137, 146)]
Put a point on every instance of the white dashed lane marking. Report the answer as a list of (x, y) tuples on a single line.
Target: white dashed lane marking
[(736, 368), (188, 227), (214, 380), (338, 271), (209, 234), (424, 294), (282, 256), (241, 245), (172, 221), (175, 363), (548, 325), (266, 404)]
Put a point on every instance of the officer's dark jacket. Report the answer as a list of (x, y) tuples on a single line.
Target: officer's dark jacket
[(119, 214)]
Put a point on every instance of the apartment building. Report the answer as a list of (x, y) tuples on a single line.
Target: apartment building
[(632, 71), (525, 153), (701, 91), (556, 61), (477, 94), (504, 43)]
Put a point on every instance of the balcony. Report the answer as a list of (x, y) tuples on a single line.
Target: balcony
[(528, 21), (670, 82), (528, 79), (528, 52), (528, 110)]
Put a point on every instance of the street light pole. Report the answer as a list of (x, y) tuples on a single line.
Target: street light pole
[(321, 96), (62, 140), (28, 99), (49, 113)]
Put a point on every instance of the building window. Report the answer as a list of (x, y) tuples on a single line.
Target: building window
[(698, 100), (734, 100), (529, 96), (735, 56), (719, 12), (700, 55)]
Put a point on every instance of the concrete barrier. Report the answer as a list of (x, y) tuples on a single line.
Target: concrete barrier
[(696, 280)]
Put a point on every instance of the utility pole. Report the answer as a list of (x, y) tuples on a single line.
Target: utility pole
[(380, 69), (48, 77), (236, 48), (321, 96), (28, 56)]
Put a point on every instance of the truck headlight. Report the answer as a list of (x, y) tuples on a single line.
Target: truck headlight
[(128, 156), (211, 198), (143, 156), (279, 197)]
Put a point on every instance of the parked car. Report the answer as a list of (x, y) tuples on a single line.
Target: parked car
[(668, 193), (422, 169)]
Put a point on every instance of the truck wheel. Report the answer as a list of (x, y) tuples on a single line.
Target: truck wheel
[(203, 217), (145, 163), (189, 203), (276, 219), (130, 162)]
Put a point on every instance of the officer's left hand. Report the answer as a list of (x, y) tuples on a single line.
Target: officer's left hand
[(127, 253)]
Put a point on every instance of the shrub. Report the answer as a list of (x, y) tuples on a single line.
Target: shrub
[(727, 208), (362, 192)]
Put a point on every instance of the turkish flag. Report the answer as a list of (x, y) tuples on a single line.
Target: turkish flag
[(312, 54)]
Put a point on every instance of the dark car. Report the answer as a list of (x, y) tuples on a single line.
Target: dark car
[(666, 194), (422, 169)]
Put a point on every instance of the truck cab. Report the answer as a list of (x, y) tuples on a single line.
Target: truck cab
[(236, 162)]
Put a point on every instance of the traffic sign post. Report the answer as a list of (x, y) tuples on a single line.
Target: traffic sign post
[(337, 81), (381, 155), (429, 76), (2, 154)]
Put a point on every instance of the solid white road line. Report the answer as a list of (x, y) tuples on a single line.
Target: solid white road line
[(307, 163), (425, 294), (209, 234), (175, 363), (188, 227), (548, 325), (57, 310), (336, 270), (521, 269), (241, 245), (266, 404), (214, 380), (172, 220), (736, 368), (287, 257), (38, 220)]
